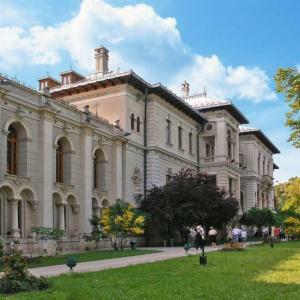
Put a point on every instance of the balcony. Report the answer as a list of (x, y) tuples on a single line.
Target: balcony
[(267, 179)]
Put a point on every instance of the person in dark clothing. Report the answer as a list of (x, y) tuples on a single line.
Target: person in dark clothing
[(198, 241)]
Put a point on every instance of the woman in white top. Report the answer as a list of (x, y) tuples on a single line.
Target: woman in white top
[(213, 236)]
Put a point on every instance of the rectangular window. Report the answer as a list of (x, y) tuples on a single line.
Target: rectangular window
[(179, 137), (258, 164), (210, 146), (190, 142), (168, 131), (231, 187), (241, 160)]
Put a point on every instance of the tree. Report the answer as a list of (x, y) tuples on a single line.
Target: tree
[(288, 83), (258, 217), (291, 205), (281, 190), (121, 221), (188, 199)]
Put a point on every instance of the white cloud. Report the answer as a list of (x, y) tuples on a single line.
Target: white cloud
[(138, 38), (136, 29), (225, 81)]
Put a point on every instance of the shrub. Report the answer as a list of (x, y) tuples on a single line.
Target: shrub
[(16, 277), (233, 246)]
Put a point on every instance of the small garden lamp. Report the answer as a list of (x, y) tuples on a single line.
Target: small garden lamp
[(71, 262)]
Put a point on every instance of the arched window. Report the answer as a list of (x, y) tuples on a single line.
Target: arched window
[(138, 124), (132, 121), (60, 162), (12, 151)]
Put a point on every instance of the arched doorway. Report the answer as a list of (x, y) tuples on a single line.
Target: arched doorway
[(9, 212), (63, 161), (27, 214), (105, 203), (99, 170), (72, 221)]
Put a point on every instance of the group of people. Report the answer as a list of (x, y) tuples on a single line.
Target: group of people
[(238, 234), (196, 236)]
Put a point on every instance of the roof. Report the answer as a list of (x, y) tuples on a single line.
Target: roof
[(73, 72), (275, 167), (261, 136), (51, 78), (99, 80), (204, 104)]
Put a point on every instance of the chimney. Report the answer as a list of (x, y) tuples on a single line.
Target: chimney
[(101, 59), (185, 89)]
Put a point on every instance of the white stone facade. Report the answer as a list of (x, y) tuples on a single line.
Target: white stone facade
[(79, 144)]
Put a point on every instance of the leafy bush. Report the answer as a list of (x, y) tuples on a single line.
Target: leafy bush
[(47, 233), (120, 221), (16, 277)]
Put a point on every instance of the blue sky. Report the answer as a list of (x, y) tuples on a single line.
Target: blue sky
[(232, 47)]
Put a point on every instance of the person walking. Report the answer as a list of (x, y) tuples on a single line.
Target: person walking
[(243, 235), (236, 233), (213, 236)]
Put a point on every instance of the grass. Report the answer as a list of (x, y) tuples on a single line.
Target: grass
[(257, 273), (83, 256)]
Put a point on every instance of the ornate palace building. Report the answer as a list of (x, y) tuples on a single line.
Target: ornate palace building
[(81, 142)]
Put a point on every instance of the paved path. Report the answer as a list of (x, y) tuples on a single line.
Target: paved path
[(99, 265), (113, 263)]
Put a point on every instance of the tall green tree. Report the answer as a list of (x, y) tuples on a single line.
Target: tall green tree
[(288, 205), (288, 83), (258, 217)]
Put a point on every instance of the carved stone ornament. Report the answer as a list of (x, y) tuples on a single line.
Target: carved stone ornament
[(33, 203), (75, 208), (20, 113), (137, 176)]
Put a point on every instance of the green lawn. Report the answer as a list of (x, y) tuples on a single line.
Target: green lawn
[(257, 273), (84, 256)]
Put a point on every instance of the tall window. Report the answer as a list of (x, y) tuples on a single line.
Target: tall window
[(12, 149), (210, 146), (168, 131), (264, 166), (132, 121), (258, 164), (231, 186), (60, 162), (95, 173), (241, 156), (229, 142), (179, 137), (190, 142), (138, 124), (99, 170)]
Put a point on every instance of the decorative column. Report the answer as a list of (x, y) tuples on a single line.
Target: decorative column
[(61, 216), (15, 231)]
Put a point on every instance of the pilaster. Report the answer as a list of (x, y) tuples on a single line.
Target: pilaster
[(46, 168), (87, 178)]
